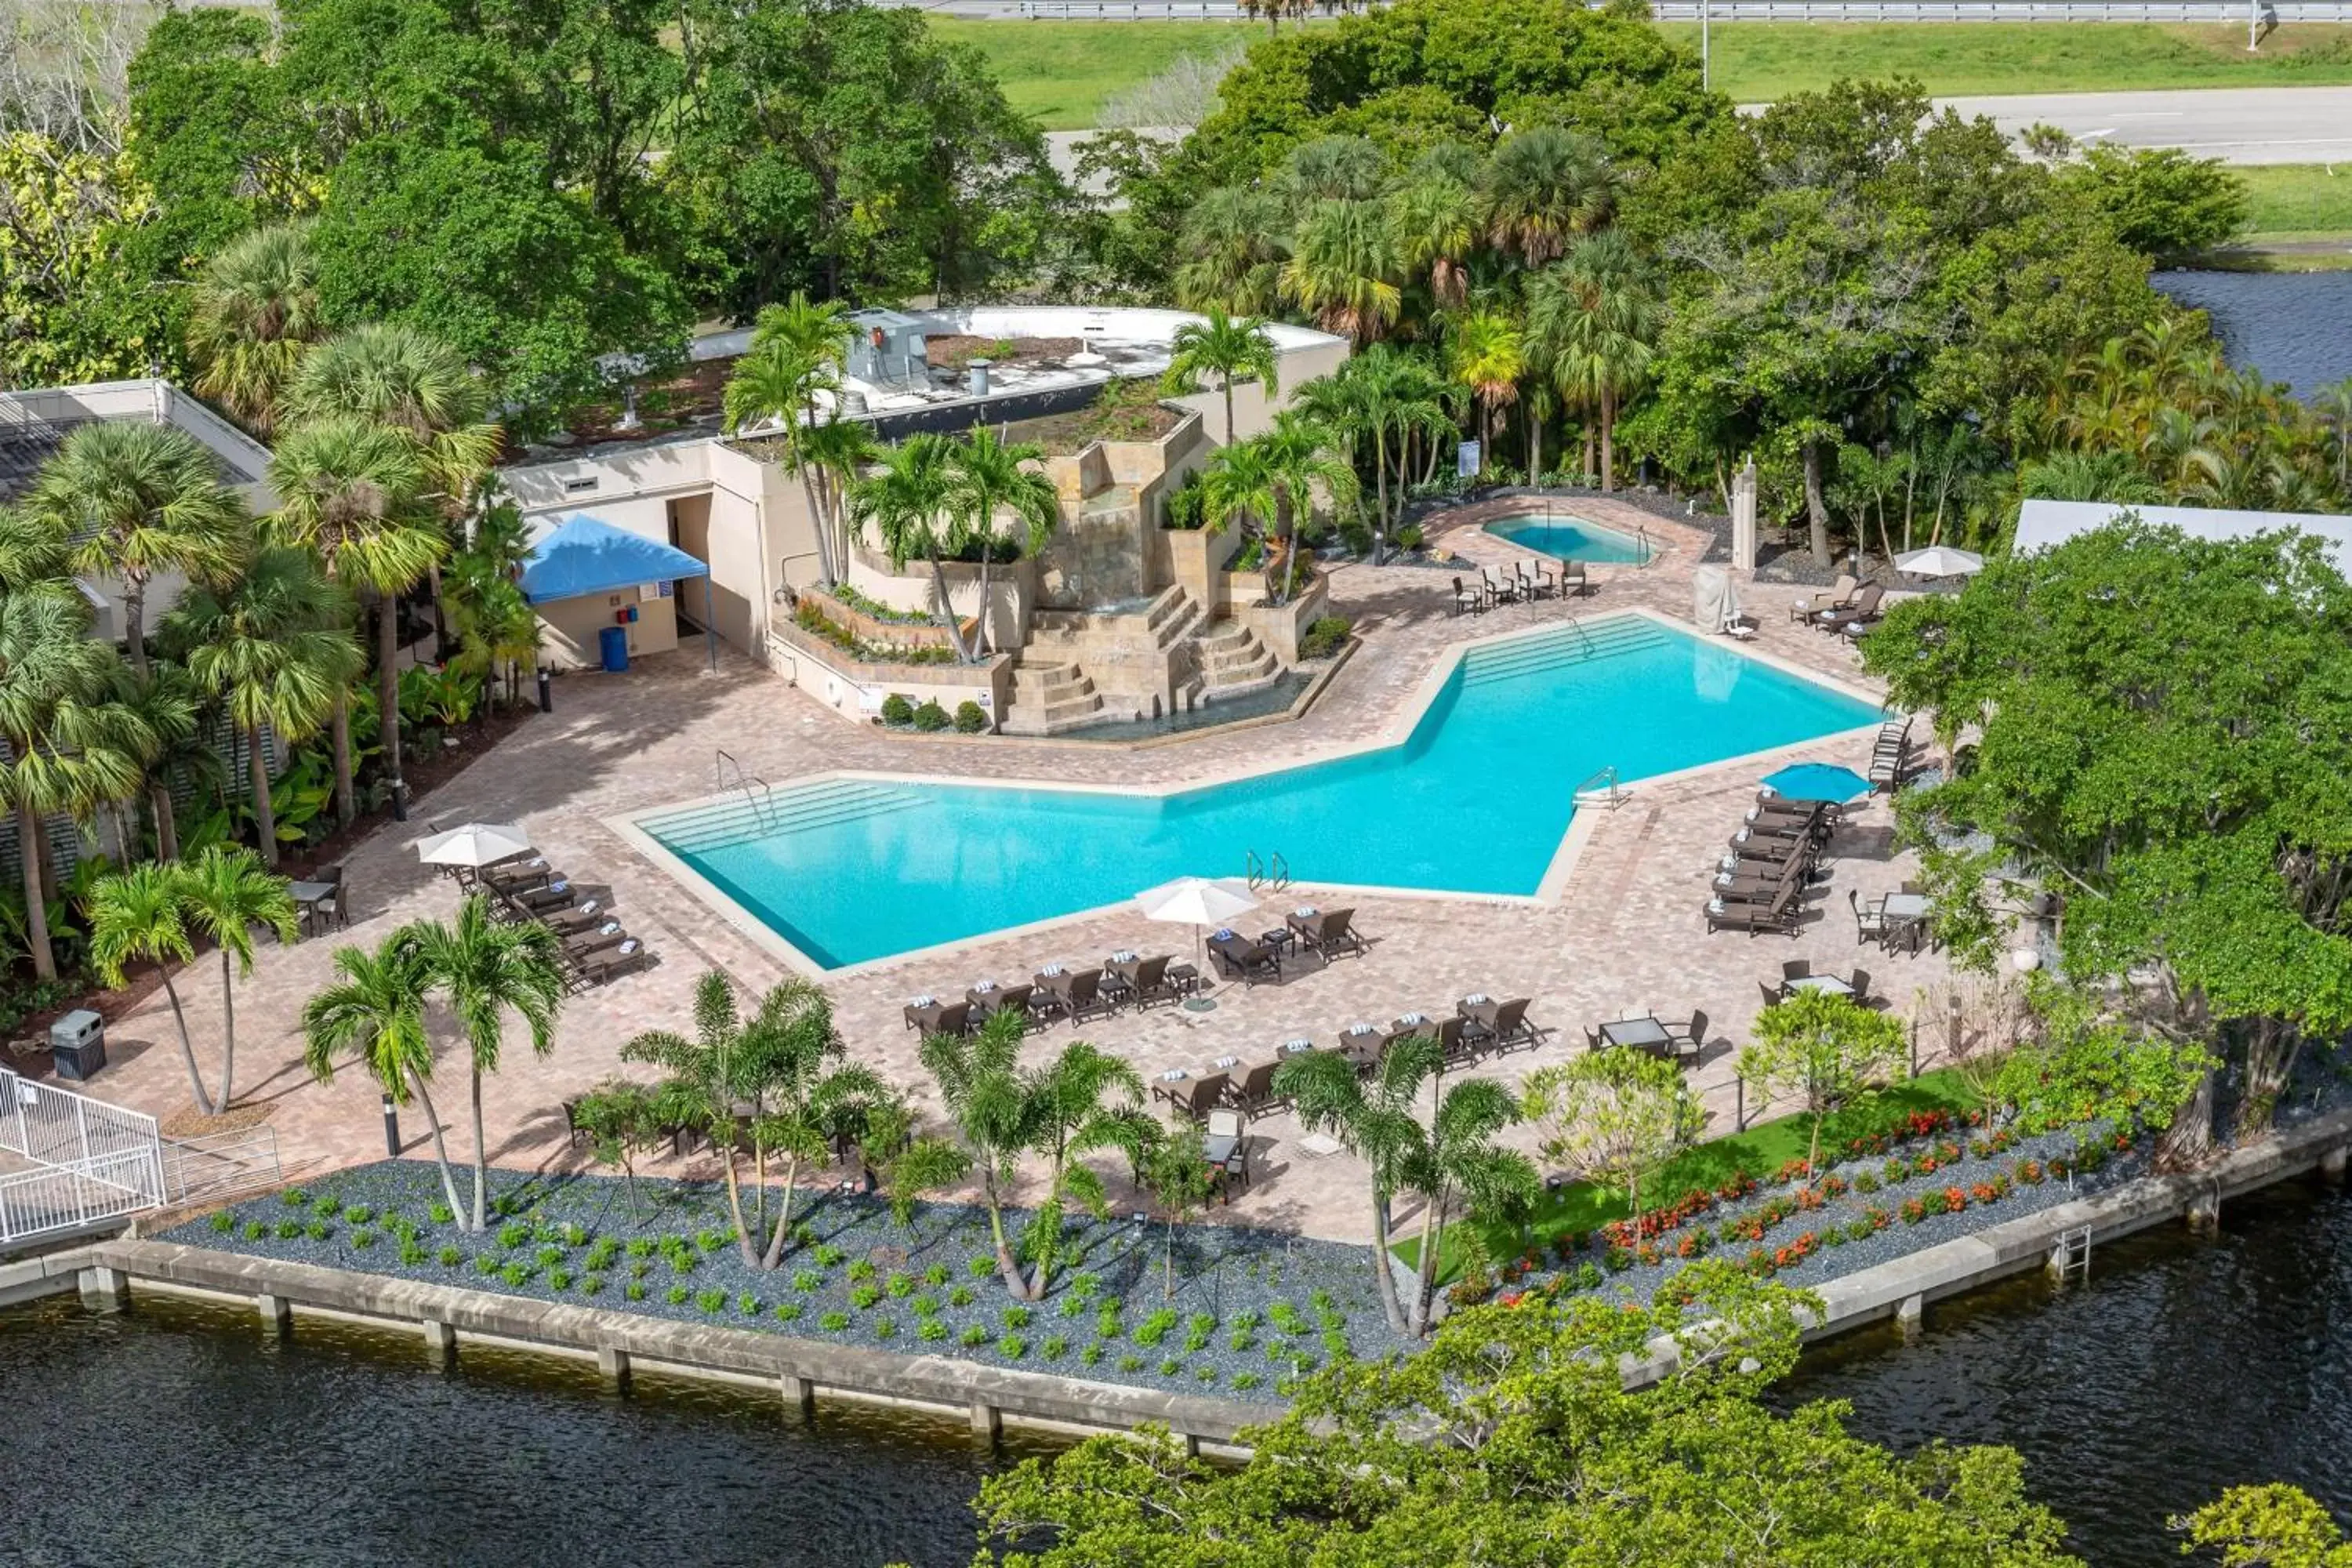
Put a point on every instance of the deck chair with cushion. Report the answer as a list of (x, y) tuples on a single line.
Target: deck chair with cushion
[(1195, 1097), (1244, 960), (1863, 612), (1778, 917), (1325, 932), (1257, 1093), (1838, 598), (613, 962)]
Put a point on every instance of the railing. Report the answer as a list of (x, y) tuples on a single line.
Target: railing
[(1583, 637), (745, 780), (1602, 789), (1649, 550), (218, 1165), (92, 1161), (2272, 13), (1269, 876)]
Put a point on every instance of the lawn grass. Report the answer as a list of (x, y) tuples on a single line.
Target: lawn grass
[(1759, 1151), (2299, 199), (1063, 72)]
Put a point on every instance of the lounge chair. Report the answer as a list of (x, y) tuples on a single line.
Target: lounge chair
[(1455, 1046), (1257, 1093), (1772, 848), (1863, 612), (1689, 1037), (954, 1018), (1152, 983), (600, 967), (587, 912), (1508, 1026), (1326, 932), (1838, 598), (1195, 1097), (1007, 999), (1246, 960), (1772, 884), (1779, 916), (1074, 995), (515, 876), (596, 939), (1469, 601), (558, 892)]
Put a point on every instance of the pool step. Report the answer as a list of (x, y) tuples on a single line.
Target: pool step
[(742, 816), (1569, 645)]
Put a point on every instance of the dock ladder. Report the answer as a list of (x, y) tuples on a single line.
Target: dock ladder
[(2069, 1260), (1269, 876), (1602, 789)]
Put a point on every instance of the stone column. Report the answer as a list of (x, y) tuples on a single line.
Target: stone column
[(277, 1314), (1743, 518), (613, 1365), (987, 1423), (104, 1289), (799, 1395), (440, 1343)]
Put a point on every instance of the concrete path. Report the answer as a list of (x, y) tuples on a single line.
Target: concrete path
[(2239, 125)]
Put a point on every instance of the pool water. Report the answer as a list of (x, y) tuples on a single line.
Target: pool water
[(1565, 538), (1475, 801)]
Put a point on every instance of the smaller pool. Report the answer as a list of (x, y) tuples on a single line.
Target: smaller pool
[(1565, 538)]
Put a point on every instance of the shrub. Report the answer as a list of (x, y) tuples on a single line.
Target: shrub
[(635, 1290), (980, 1265), (359, 1214), (748, 1304), (601, 1254), (1865, 1184), (288, 1229), (1107, 1323), (927, 1306), (677, 1295), (513, 1235), (930, 716), (710, 1301), (807, 1279), (450, 1256), (932, 1329), (1055, 1348), (1914, 1210), (1154, 1328), (864, 1295), (1130, 1363), (558, 1280), (294, 1198), (1618, 1259), (884, 1328), (827, 1257), (1171, 1366), (549, 1257), (224, 1222), (640, 1247), (901, 1286), (411, 1255), (960, 1297), (1324, 637), (1245, 1380), (1195, 1341), (712, 1240), (861, 1272), (1091, 1355), (590, 1284), (833, 1322), (1017, 1317), (1205, 1372), (936, 1275), (787, 1311), (516, 1274), (973, 1336), (362, 1238), (898, 709), (968, 718), (1013, 1347), (488, 1263), (1072, 1307), (1241, 1339)]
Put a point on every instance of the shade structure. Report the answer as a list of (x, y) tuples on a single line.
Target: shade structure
[(1197, 900), (586, 555), (1939, 560), (477, 844), (1817, 780)]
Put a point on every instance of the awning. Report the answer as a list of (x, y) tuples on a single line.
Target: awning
[(585, 556)]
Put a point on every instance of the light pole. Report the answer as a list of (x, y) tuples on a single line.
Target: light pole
[(1703, 72)]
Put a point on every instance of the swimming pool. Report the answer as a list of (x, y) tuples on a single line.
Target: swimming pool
[(1566, 538), (1475, 800)]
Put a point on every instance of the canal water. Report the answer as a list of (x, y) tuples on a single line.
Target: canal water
[(180, 1434), (2297, 326)]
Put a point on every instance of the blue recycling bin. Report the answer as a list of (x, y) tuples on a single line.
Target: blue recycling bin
[(613, 642)]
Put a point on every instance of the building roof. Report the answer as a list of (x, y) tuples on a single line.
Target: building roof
[(2043, 523), (587, 556), (35, 423)]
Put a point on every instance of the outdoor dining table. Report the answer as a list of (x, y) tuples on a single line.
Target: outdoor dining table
[(1642, 1034), (1906, 913), (309, 896), (1828, 983), (1221, 1148)]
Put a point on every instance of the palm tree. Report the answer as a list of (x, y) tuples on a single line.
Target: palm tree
[(1595, 321), (1484, 356), (1543, 185), (375, 1012), (1084, 1099), (484, 970), (1226, 349), (909, 505), (840, 450), (986, 475), (276, 646), (1230, 251), (1343, 269), (350, 490), (1299, 453), (1460, 1161), (1240, 484), (163, 706), (706, 1073), (135, 915), (224, 893), (2334, 403), (778, 380), (1436, 218), (979, 1080), (1374, 1118), (391, 374), (254, 312), (69, 747)]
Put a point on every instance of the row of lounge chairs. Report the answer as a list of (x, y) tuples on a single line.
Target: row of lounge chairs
[(592, 946), (1329, 935), (1123, 980), (1890, 756), (1518, 583), (1849, 609), (1759, 884)]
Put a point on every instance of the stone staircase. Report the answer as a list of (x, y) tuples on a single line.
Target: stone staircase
[(1049, 695), (1232, 661), (1138, 661)]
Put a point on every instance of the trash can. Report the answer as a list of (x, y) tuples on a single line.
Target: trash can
[(613, 642), (77, 1045)]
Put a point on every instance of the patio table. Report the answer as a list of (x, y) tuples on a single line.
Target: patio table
[(1642, 1034), (1907, 915), (1829, 984), (1221, 1150)]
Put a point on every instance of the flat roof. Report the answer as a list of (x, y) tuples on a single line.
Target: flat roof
[(2043, 523), (36, 422)]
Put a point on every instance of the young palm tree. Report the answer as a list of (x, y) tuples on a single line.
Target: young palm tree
[(134, 916), (706, 1074), (1300, 452), (840, 450), (1082, 1100), (163, 704), (620, 1117), (375, 1012), (351, 490), (1374, 1118), (69, 747), (910, 507), (1459, 1162), (1240, 485), (1595, 321), (1331, 169), (276, 646), (1226, 349), (1435, 217), (1543, 187), (1343, 269), (1230, 251), (484, 971), (1485, 357), (979, 1080), (779, 380), (820, 330), (393, 375), (254, 311), (985, 475), (224, 893)]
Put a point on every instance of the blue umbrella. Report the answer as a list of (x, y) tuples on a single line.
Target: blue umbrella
[(1817, 780)]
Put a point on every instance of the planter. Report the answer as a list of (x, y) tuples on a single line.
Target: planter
[(872, 628)]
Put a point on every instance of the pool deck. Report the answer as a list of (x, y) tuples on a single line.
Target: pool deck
[(1628, 930)]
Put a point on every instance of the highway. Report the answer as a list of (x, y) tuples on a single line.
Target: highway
[(2238, 125)]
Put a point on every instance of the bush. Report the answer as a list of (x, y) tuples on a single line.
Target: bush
[(932, 1329), (897, 709), (635, 1290), (513, 1235), (516, 1274), (861, 1272), (960, 1297), (1245, 1380), (224, 1222), (558, 1280), (359, 1214), (936, 1275), (710, 1301), (450, 1256), (1154, 1328), (362, 1238), (1324, 635), (590, 1284), (1013, 1347), (1409, 537), (441, 1214), (1017, 1317), (1091, 1355), (807, 1279), (900, 1286), (1055, 1348), (970, 719), (864, 1295), (980, 1266), (679, 1295), (926, 1306), (833, 1322), (787, 1311), (1171, 1366), (884, 1328), (748, 1304), (930, 716), (294, 1198), (1130, 1363), (973, 1336)]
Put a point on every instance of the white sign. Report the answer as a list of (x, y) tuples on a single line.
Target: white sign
[(1465, 459)]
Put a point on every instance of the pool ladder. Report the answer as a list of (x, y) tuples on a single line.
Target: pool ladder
[(1602, 789), (1269, 876), (757, 791)]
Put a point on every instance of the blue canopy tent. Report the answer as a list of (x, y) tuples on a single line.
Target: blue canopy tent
[(585, 556)]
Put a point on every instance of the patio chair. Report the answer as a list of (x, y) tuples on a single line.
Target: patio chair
[(1859, 981), (1534, 582), (1008, 999), (955, 1018), (1772, 994), (1194, 1096), (1246, 960), (1838, 598), (1152, 982), (613, 962), (1796, 969), (1326, 932), (1455, 1046), (1593, 1040), (1689, 1037), (1506, 591), (1257, 1093), (1863, 610), (1224, 1123), (1471, 601), (1509, 1027), (1573, 581), (1778, 917), (1869, 920), (574, 1132)]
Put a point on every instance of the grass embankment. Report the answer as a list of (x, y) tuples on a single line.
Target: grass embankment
[(1760, 1152), (1756, 62), (1062, 73)]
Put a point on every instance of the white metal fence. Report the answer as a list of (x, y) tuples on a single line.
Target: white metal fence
[(90, 1161)]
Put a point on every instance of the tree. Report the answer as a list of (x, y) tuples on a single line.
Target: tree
[(1300, 461), (1460, 1163), (2161, 200), (1510, 1434), (374, 1013), (1610, 1117), (2270, 1526), (840, 450), (1232, 249), (910, 506), (223, 894), (134, 915), (1828, 1051), (484, 970), (1391, 399), (984, 476), (352, 490), (275, 645), (798, 351), (1343, 269), (1226, 349), (255, 314), (1594, 322), (1484, 358), (909, 1162), (1175, 1172), (1543, 187), (1084, 1099), (620, 1117), (413, 383)]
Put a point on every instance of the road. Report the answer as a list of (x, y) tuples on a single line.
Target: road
[(2238, 125)]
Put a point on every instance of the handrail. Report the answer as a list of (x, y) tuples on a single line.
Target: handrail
[(744, 780), (1583, 636), (1649, 552), (1281, 872), (1257, 872), (1609, 794)]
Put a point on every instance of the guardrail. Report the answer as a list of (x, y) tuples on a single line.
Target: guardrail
[(91, 1161), (220, 1165), (2232, 12)]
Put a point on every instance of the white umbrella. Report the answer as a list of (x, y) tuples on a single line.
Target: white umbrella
[(477, 844), (1939, 560), (1197, 901)]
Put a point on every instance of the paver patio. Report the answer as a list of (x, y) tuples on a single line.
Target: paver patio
[(1627, 933)]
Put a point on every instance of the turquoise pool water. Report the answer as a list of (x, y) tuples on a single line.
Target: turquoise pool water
[(1572, 539), (1475, 801)]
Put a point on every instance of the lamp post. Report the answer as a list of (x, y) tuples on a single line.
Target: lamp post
[(1704, 73), (391, 1127)]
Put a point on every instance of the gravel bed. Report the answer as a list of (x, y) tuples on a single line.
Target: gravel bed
[(1233, 1286)]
